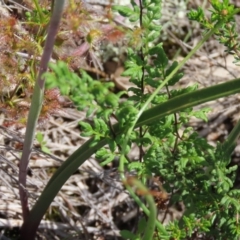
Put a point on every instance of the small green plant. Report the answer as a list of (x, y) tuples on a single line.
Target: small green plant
[(42, 143), (191, 170)]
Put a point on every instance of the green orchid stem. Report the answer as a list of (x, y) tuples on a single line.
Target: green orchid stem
[(152, 213), (87, 150), (35, 108)]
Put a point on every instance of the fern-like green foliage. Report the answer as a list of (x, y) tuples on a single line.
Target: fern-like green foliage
[(227, 34), (191, 170)]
